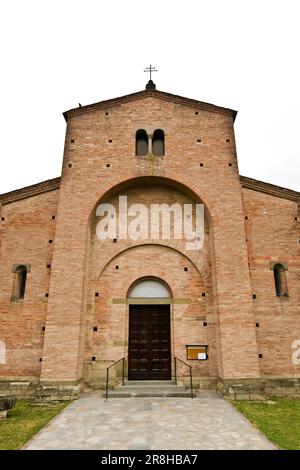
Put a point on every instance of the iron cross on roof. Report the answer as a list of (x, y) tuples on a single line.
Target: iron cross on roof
[(150, 69)]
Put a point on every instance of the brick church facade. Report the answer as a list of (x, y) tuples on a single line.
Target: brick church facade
[(71, 304)]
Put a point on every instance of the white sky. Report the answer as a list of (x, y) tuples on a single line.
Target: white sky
[(241, 54)]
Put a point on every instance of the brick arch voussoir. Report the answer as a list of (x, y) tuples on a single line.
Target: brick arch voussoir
[(126, 177), (190, 256)]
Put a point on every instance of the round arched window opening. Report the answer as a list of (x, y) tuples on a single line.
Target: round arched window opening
[(19, 285), (149, 288), (280, 280), (158, 142), (141, 142)]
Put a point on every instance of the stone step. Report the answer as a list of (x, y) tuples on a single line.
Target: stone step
[(149, 383), (149, 388), (147, 394)]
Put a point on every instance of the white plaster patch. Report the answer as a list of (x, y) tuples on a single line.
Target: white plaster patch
[(296, 354), (2, 352)]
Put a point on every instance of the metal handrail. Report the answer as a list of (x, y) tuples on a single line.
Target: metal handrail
[(107, 374), (191, 374)]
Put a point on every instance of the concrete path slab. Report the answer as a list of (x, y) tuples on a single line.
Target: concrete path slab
[(207, 422)]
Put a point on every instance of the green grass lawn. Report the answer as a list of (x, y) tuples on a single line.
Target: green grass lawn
[(24, 421), (279, 422)]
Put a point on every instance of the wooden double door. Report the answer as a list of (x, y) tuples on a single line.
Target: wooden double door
[(149, 354)]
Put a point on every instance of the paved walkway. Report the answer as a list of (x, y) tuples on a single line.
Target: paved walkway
[(207, 422)]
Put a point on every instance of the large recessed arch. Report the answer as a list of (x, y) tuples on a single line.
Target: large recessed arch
[(167, 246), (169, 180)]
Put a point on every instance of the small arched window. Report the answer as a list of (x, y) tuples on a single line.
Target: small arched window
[(158, 142), (141, 142), (280, 280), (20, 282), (149, 288)]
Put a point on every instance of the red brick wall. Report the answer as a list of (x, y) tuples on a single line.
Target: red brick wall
[(273, 236), (89, 179), (25, 233), (82, 265)]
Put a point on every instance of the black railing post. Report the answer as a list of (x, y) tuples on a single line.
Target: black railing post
[(191, 382), (191, 375), (107, 373)]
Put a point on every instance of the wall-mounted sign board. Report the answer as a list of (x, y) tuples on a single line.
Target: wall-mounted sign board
[(196, 352)]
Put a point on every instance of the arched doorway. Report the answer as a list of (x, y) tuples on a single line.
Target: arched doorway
[(149, 344)]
